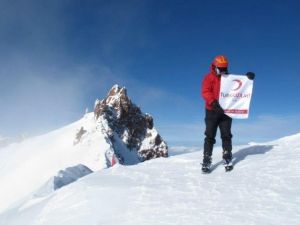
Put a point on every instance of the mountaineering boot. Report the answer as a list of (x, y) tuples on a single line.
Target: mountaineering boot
[(206, 164), (227, 160)]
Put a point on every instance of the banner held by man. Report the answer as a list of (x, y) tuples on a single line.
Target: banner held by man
[(235, 95)]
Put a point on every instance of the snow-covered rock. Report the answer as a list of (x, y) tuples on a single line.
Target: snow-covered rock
[(127, 127), (63, 178)]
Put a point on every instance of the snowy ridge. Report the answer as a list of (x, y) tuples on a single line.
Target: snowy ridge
[(113, 133), (262, 189), (28, 165)]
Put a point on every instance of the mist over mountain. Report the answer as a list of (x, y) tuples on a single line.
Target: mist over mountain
[(117, 132)]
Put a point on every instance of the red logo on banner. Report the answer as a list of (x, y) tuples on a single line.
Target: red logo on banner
[(239, 84), (236, 111)]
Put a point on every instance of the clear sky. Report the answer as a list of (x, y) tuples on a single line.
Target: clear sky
[(58, 56)]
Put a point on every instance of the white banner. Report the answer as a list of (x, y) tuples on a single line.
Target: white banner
[(235, 95)]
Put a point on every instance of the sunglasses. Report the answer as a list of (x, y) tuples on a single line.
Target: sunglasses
[(222, 70)]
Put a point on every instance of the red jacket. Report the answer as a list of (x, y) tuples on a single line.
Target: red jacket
[(211, 87)]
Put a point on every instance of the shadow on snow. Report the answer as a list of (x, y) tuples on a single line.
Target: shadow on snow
[(243, 153)]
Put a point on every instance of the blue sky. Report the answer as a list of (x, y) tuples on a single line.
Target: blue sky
[(58, 56)]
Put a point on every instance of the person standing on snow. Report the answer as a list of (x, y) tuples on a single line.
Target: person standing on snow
[(214, 115)]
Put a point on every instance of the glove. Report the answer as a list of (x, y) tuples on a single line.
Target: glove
[(216, 107), (250, 75)]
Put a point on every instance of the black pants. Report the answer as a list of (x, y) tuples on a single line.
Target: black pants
[(213, 120)]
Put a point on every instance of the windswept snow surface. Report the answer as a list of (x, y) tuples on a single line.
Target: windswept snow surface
[(262, 189)]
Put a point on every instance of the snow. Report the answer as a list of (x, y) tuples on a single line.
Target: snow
[(63, 178), (148, 141), (128, 157), (262, 189), (120, 148), (4, 141), (26, 166)]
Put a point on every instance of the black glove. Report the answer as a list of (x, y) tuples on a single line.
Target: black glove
[(250, 75), (216, 107)]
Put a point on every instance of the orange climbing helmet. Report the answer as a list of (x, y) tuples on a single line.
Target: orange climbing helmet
[(220, 61)]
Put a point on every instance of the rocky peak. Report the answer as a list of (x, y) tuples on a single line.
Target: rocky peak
[(126, 122), (117, 95), (116, 99)]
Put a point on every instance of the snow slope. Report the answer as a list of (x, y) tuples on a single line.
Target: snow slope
[(26, 166), (262, 189)]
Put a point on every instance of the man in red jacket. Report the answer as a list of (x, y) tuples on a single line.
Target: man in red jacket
[(214, 115)]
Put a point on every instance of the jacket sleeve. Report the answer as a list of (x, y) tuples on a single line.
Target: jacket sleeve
[(207, 90)]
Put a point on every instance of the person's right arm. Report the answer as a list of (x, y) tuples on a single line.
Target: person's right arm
[(207, 90)]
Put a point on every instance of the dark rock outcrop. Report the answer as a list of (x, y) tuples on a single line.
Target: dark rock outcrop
[(79, 134), (127, 122)]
